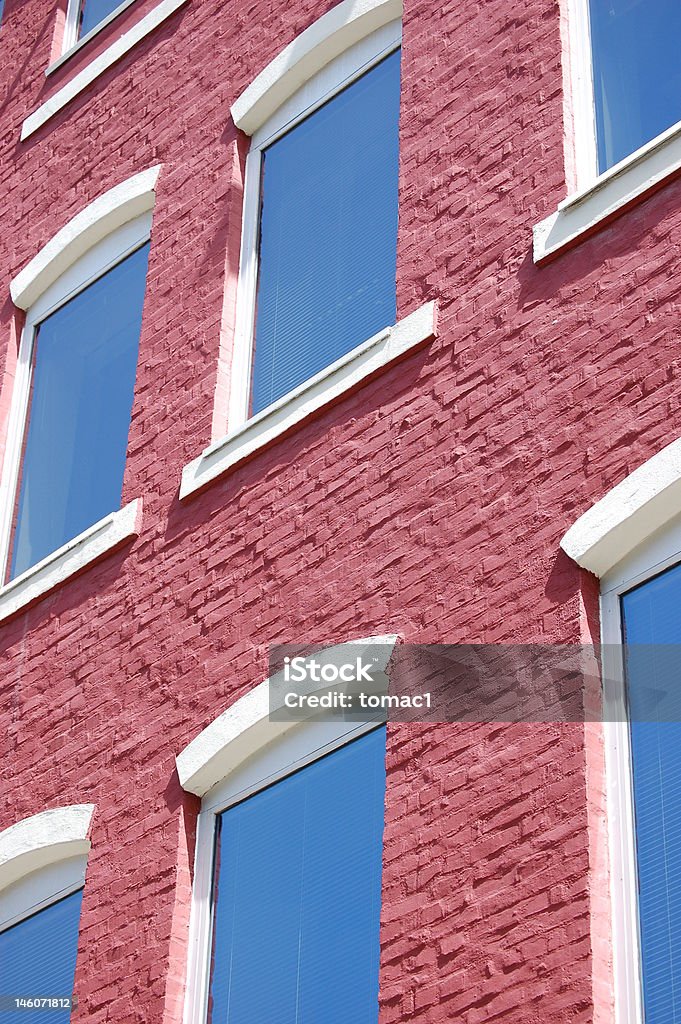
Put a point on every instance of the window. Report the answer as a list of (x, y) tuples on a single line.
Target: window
[(328, 234), (86, 17), (286, 891), (651, 616), (631, 540), (319, 248), (297, 894), (92, 12), (43, 860), (79, 355), (636, 73), (38, 959), (623, 137)]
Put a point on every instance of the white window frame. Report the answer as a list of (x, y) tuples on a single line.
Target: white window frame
[(321, 87), (246, 752), (579, 98), (655, 555), (96, 261)]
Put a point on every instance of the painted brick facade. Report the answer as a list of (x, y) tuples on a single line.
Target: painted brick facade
[(429, 503)]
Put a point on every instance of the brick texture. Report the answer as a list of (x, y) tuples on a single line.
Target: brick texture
[(430, 503)]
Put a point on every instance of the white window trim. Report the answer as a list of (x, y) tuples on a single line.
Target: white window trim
[(578, 91), (59, 272), (71, 43), (335, 50), (620, 810), (598, 198), (335, 33), (310, 397), (88, 547), (105, 214), (239, 754), (628, 515), (630, 535), (98, 66), (42, 859)]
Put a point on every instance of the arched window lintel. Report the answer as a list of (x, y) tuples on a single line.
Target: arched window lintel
[(106, 213), (329, 36), (44, 839)]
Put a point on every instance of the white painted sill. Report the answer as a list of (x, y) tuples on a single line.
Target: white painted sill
[(87, 548), (84, 40), (628, 182), (98, 66), (345, 374)]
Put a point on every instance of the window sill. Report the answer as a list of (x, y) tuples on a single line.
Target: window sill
[(628, 182), (84, 550), (98, 66), (347, 373), (77, 46)]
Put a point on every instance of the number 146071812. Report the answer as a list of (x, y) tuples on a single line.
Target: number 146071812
[(37, 1003)]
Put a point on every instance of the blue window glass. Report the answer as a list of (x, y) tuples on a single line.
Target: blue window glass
[(85, 358), (298, 893), (94, 11), (652, 622), (637, 73), (38, 959), (328, 234)]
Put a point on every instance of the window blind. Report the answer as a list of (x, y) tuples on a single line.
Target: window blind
[(636, 73), (328, 234), (297, 895), (94, 11), (652, 621), (81, 399), (38, 959)]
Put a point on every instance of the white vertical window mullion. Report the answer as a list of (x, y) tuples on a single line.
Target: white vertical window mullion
[(15, 436), (245, 298), (623, 881), (579, 106), (200, 922), (71, 24)]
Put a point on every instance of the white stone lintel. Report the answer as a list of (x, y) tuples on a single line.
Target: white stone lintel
[(629, 514), (336, 31), (43, 839), (98, 219), (245, 727)]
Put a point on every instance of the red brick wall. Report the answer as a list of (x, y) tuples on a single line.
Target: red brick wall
[(431, 503)]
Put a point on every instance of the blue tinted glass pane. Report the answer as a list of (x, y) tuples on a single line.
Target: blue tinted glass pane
[(637, 73), (77, 436), (38, 958), (298, 893), (328, 237), (94, 11), (652, 616)]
